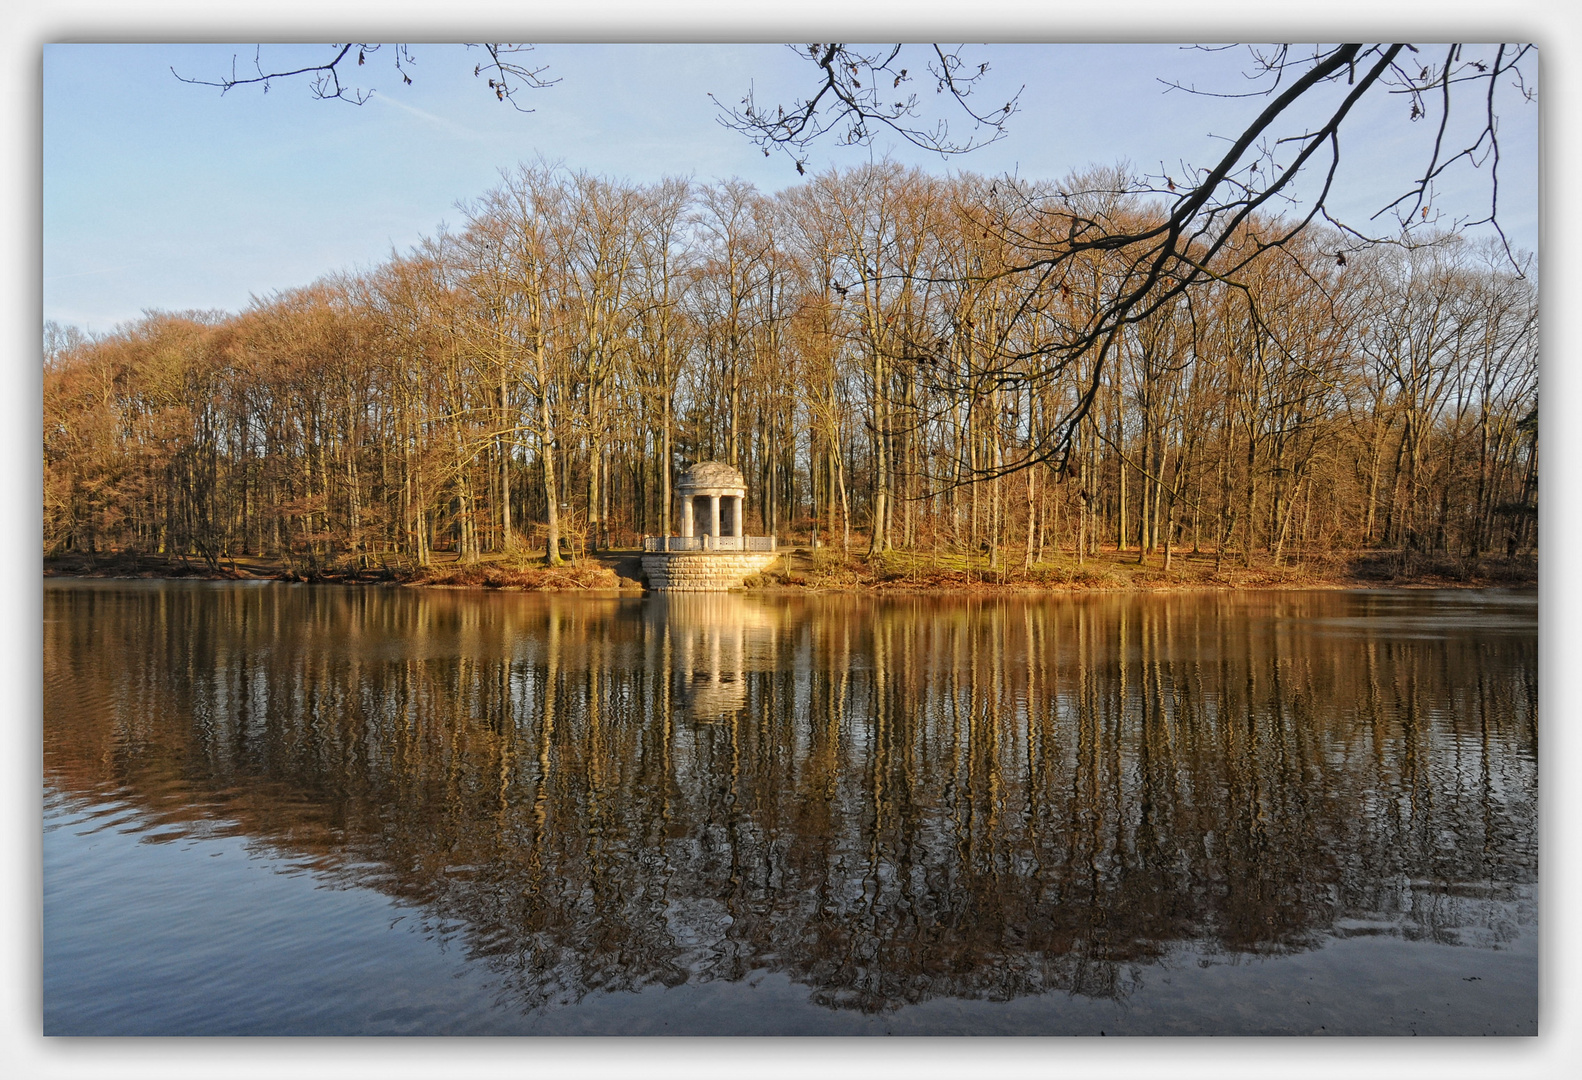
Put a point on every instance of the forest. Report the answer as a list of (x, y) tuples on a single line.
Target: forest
[(897, 361)]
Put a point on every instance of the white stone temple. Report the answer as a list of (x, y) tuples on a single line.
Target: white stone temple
[(712, 554)]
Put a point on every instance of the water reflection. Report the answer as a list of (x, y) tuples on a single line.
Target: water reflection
[(714, 640), (886, 801)]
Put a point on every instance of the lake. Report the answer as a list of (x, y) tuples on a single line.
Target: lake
[(293, 809)]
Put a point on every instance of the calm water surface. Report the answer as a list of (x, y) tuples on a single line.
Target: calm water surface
[(282, 809)]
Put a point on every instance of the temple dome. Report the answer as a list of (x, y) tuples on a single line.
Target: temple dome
[(712, 475)]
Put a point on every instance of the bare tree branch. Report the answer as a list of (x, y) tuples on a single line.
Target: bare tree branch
[(504, 71), (861, 93), (509, 76), (1211, 226)]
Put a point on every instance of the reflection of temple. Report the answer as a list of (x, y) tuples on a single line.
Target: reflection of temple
[(713, 552), (716, 640)]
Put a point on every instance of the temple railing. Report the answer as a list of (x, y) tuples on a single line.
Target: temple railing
[(708, 543)]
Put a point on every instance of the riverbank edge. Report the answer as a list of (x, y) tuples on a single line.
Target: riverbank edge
[(619, 573)]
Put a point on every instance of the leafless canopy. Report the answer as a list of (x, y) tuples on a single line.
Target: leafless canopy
[(862, 92), (504, 71), (1204, 230), (1174, 233), (1205, 234)]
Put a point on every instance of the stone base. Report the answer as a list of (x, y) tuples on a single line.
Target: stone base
[(703, 571)]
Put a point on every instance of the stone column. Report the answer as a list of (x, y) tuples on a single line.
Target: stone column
[(714, 515), (686, 515), (736, 518)]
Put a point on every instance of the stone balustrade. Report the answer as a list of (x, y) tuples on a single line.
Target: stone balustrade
[(708, 543)]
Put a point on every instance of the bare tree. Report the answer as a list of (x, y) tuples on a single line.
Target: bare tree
[(1188, 241)]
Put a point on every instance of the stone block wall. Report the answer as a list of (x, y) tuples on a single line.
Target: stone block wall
[(703, 571)]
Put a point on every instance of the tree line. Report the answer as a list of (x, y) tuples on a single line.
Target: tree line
[(894, 360)]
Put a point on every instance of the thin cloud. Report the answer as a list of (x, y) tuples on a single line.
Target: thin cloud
[(438, 121)]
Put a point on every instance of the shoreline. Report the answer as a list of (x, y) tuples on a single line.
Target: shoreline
[(803, 573)]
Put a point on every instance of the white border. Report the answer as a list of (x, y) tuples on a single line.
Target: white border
[(1556, 28)]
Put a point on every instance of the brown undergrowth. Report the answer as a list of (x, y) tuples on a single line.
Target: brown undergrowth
[(828, 571), (510, 573), (582, 574), (898, 571)]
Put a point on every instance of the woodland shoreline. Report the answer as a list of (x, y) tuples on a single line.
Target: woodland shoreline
[(808, 572), (864, 350)]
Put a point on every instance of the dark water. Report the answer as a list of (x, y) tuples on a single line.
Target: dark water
[(286, 809)]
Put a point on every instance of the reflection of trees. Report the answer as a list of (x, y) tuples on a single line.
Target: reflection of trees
[(900, 801)]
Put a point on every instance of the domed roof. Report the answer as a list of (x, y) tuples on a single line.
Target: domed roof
[(712, 474)]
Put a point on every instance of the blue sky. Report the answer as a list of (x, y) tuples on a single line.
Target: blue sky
[(162, 195)]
